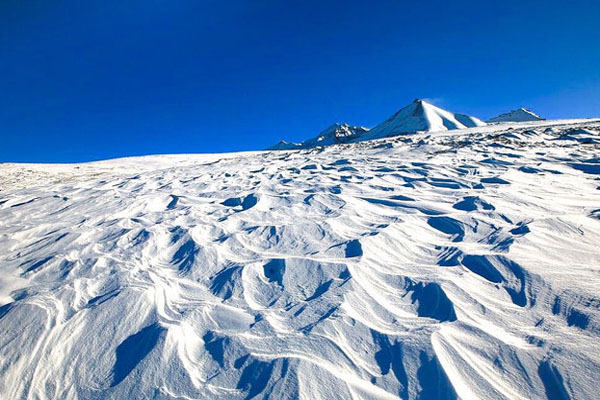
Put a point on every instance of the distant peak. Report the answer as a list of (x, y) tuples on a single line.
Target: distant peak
[(519, 115), (421, 116), (334, 127)]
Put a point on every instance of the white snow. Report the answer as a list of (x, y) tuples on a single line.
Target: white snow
[(439, 265), (518, 115)]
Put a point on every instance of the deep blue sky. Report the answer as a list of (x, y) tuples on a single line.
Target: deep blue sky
[(87, 80)]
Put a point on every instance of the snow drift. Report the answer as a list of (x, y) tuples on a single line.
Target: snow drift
[(444, 265)]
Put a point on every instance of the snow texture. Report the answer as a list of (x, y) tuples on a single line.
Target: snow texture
[(443, 265)]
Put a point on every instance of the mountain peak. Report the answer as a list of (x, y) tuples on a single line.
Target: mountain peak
[(421, 116), (334, 134), (519, 115)]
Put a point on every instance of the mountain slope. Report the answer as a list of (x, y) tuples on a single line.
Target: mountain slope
[(519, 115), (444, 265)]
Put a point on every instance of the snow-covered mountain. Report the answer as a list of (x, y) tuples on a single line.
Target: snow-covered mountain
[(519, 115), (285, 145), (419, 116), (438, 265), (335, 134)]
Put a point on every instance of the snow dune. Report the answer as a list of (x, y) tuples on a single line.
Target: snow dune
[(456, 264)]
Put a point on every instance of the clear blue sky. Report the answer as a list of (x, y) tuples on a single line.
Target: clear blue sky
[(96, 79)]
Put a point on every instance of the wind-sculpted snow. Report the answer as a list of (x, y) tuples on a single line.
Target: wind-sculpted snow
[(461, 264)]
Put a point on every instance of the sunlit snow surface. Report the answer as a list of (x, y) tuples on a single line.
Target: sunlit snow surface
[(460, 264)]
